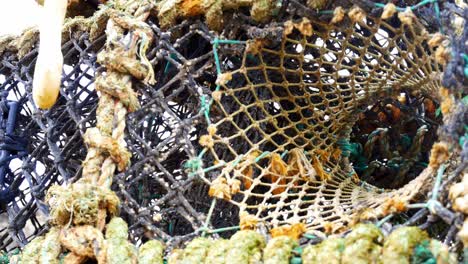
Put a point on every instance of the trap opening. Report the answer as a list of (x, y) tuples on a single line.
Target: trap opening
[(391, 141), (281, 121)]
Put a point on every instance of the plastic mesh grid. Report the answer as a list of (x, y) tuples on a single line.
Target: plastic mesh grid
[(54, 138), (158, 198)]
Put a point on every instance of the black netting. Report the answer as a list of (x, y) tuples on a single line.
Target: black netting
[(158, 198), (49, 143)]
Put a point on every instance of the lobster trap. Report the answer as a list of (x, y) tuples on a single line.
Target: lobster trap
[(199, 118)]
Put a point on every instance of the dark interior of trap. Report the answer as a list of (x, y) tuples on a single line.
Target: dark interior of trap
[(391, 126)]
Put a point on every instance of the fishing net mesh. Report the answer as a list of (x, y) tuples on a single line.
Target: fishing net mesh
[(248, 127), (283, 118)]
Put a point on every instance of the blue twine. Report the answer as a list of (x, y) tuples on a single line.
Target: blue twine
[(12, 147)]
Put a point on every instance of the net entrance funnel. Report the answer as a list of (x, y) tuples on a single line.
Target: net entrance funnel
[(281, 116)]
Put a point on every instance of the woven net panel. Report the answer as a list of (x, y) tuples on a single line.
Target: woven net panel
[(283, 115)]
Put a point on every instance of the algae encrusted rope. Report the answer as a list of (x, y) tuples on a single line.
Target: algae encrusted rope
[(365, 243), (78, 211)]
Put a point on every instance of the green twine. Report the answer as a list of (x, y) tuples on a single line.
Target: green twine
[(140, 191), (171, 228), (437, 12), (228, 41), (465, 255), (346, 147), (375, 133), (424, 2), (463, 138), (403, 9), (465, 99), (435, 190), (309, 236), (216, 43), (208, 217), (205, 106), (168, 64), (194, 164), (297, 251), (438, 112), (216, 57), (264, 154), (236, 161), (355, 152), (465, 57), (295, 260), (422, 254), (414, 7), (405, 141), (224, 229), (326, 12), (208, 169), (384, 220), (4, 258), (219, 230), (394, 164)]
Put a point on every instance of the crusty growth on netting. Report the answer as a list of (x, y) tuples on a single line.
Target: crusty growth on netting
[(282, 119)]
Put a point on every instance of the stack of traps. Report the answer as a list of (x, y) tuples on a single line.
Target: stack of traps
[(269, 139)]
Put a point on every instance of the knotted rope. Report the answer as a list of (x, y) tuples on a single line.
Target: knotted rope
[(79, 210)]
